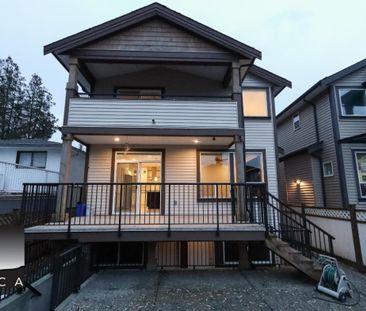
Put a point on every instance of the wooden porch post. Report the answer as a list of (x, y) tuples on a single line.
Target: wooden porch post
[(239, 143), (71, 85)]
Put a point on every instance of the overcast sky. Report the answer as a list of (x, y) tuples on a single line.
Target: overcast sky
[(302, 41)]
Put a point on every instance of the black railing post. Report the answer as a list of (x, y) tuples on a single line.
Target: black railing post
[(306, 232), (233, 209), (217, 211), (169, 203), (57, 266), (70, 209), (22, 208), (265, 214), (120, 209)]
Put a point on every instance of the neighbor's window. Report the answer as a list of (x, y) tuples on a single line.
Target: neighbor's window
[(32, 158), (353, 102), (126, 93), (214, 168), (255, 103), (361, 172), (254, 167), (296, 121), (328, 169)]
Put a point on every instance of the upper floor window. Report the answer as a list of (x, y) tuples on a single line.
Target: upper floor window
[(255, 103), (360, 157), (353, 102), (296, 121), (328, 169), (136, 93), (32, 158)]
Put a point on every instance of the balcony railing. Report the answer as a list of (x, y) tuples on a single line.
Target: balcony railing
[(109, 110), (140, 204), (12, 176)]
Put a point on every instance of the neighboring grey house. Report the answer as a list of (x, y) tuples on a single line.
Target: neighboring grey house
[(33, 161), (179, 126), (322, 140)]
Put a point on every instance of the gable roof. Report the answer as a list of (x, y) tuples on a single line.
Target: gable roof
[(319, 87), (136, 17), (272, 78)]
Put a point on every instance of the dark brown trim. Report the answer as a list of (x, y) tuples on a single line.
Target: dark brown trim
[(146, 13), (266, 88), (89, 55), (150, 131), (162, 151)]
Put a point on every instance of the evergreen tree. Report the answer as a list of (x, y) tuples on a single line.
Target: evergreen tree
[(11, 99), (38, 121), (24, 109)]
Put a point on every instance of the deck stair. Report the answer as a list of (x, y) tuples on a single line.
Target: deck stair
[(294, 238)]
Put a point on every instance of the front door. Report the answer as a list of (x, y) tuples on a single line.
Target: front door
[(138, 176)]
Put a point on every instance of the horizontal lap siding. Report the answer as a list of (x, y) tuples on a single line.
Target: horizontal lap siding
[(351, 173), (155, 35), (299, 167), (259, 134), (119, 113)]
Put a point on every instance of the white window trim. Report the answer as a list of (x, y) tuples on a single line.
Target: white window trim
[(293, 123), (359, 182), (341, 105), (331, 164)]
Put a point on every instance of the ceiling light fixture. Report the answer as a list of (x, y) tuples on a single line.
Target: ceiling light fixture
[(116, 139), (196, 141)]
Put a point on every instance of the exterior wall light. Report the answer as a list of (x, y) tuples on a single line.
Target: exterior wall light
[(298, 182)]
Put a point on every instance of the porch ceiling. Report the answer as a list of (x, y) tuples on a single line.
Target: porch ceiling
[(154, 140)]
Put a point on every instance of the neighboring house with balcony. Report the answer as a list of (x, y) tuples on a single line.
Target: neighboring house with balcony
[(322, 138), (32, 161), (179, 127)]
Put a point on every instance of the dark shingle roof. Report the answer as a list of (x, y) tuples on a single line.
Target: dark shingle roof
[(28, 142)]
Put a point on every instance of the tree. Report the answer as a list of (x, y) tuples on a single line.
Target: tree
[(24, 109), (38, 121), (11, 98)]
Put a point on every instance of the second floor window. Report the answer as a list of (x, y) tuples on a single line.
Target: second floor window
[(296, 121), (132, 93), (32, 158), (353, 102), (255, 103), (360, 157)]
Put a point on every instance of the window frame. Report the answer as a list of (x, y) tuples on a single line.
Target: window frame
[(293, 122), (339, 100), (257, 88), (32, 152), (139, 89), (331, 164), (264, 167), (357, 176)]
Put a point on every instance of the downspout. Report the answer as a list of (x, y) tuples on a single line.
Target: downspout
[(320, 158)]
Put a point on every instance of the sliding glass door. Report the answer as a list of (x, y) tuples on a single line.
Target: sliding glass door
[(143, 169)]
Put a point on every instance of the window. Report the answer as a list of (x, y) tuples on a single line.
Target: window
[(214, 168), (126, 93), (32, 158), (254, 167), (255, 103), (353, 102), (296, 121), (360, 158), (328, 169)]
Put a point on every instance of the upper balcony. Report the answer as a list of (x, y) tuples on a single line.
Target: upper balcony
[(113, 111)]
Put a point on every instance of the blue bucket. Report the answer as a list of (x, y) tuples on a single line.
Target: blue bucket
[(80, 209)]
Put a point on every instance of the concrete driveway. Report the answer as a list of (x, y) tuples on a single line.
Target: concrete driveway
[(261, 289)]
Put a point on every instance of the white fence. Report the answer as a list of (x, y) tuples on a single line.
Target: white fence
[(12, 176)]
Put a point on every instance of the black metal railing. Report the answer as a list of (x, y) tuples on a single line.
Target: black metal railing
[(122, 204), (294, 228)]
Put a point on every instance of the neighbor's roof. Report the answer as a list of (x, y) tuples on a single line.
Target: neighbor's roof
[(28, 142), (317, 88), (136, 17)]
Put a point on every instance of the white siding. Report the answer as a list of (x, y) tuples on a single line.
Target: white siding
[(167, 114)]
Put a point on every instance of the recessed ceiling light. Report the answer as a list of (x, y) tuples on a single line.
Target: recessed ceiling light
[(196, 141), (116, 139)]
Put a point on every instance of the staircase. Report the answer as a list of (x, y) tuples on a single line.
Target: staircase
[(294, 238)]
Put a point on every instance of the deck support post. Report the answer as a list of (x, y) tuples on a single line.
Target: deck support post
[(151, 259), (240, 176), (65, 169), (71, 86), (244, 262)]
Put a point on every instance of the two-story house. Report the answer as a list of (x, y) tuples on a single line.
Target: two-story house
[(179, 126), (322, 137)]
